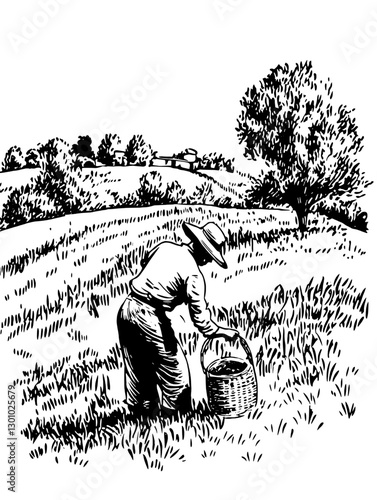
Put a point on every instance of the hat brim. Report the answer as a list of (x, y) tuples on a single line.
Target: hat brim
[(195, 233)]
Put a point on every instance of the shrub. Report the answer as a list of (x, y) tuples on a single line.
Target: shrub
[(83, 153), (153, 191), (46, 197), (216, 161), (53, 150), (224, 202), (59, 183), (83, 162), (13, 159), (203, 195), (129, 200), (20, 208), (264, 191), (347, 212), (32, 158), (174, 193), (57, 190)]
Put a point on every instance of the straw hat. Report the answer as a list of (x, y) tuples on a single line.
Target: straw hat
[(210, 237)]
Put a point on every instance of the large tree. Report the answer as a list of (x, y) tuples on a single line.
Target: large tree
[(290, 120)]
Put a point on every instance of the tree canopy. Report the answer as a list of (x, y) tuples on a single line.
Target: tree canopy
[(290, 120)]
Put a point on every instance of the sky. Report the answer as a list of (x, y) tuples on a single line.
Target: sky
[(171, 70)]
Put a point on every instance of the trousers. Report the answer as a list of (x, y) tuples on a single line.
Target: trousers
[(157, 377)]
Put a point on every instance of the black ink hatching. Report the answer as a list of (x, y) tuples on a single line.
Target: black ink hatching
[(132, 267)]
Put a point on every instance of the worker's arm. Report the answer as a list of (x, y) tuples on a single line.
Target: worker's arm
[(199, 312)]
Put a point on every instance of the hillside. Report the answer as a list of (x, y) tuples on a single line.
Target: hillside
[(15, 179), (110, 186), (63, 282)]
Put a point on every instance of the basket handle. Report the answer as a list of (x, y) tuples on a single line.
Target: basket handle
[(242, 341), (246, 348)]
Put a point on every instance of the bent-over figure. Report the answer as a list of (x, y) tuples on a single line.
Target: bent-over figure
[(157, 377)]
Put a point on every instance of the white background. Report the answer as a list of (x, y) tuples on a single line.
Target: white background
[(66, 73)]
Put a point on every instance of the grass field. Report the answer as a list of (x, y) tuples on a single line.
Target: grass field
[(61, 292)]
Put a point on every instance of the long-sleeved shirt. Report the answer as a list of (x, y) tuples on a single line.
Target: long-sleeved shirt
[(171, 277)]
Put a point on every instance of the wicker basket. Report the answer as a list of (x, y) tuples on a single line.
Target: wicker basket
[(233, 394)]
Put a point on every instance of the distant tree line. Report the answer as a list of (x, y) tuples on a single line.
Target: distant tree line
[(81, 154), (62, 187), (110, 153)]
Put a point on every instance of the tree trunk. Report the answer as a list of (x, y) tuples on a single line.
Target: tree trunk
[(302, 219), (298, 203)]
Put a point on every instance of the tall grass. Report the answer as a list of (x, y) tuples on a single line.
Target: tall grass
[(84, 271), (290, 332)]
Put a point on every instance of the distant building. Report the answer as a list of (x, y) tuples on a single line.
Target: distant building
[(119, 157), (188, 162)]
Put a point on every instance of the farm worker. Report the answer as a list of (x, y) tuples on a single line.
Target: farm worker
[(153, 359)]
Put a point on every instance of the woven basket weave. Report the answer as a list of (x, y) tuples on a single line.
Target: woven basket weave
[(235, 394)]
